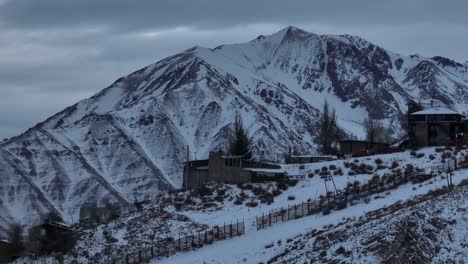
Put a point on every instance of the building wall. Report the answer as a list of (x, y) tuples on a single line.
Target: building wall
[(196, 179), (311, 159), (422, 131), (227, 170), (352, 147)]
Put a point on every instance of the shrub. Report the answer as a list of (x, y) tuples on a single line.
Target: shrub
[(277, 192), (463, 183), (204, 191), (324, 169), (317, 171), (291, 197), (420, 155), (238, 201), (431, 157), (381, 167), (438, 150), (252, 204), (219, 198), (339, 171), (258, 190), (395, 165), (332, 167), (248, 186), (446, 155), (310, 175), (301, 167), (178, 206), (378, 161), (347, 165)]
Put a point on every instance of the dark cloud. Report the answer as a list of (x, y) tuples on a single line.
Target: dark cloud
[(129, 15), (54, 52)]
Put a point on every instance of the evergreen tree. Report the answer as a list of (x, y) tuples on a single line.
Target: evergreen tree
[(15, 236), (328, 129), (239, 141)]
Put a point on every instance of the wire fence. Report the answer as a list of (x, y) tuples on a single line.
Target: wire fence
[(164, 247), (355, 192)]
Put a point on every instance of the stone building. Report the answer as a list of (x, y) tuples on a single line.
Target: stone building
[(227, 169), (436, 126)]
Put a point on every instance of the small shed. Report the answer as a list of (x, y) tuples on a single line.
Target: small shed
[(53, 230), (350, 147)]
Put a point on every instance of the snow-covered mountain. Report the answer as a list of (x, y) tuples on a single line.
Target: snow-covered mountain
[(127, 142)]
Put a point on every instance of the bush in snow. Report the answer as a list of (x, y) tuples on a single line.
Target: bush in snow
[(252, 204)]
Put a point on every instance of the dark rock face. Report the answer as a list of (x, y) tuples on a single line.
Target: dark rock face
[(128, 141)]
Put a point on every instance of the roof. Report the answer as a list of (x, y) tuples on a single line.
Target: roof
[(360, 141), (265, 170), (56, 224), (436, 111), (313, 156), (233, 157)]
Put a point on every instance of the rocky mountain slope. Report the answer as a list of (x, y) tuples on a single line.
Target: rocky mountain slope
[(127, 142)]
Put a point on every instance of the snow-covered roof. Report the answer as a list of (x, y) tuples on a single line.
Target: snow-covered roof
[(313, 156), (436, 111)]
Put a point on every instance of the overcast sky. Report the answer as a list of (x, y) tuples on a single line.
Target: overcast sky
[(54, 53)]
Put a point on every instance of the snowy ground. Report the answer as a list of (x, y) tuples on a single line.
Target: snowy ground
[(186, 213), (252, 248)]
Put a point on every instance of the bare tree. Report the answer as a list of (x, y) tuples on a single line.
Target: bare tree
[(328, 129), (376, 131)]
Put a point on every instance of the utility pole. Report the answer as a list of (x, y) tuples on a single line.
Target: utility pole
[(187, 168)]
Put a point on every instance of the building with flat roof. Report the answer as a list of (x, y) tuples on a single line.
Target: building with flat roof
[(227, 169), (436, 126), (354, 146)]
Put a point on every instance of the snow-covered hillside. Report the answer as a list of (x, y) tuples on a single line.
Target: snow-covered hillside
[(127, 142), (182, 213)]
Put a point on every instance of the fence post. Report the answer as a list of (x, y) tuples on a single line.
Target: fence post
[(126, 259), (139, 256), (230, 230), (152, 252), (269, 218)]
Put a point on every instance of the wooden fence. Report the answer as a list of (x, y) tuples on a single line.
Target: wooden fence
[(164, 247), (340, 200)]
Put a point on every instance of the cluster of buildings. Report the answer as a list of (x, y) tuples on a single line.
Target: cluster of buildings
[(432, 125)]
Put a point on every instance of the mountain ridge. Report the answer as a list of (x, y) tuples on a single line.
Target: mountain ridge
[(127, 142)]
